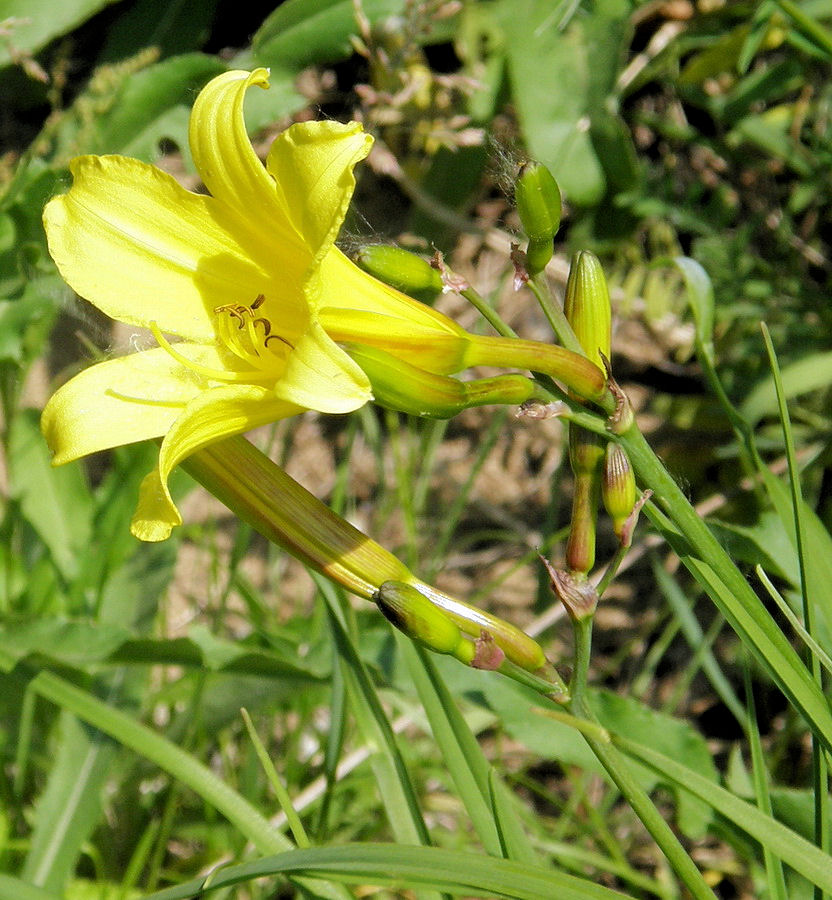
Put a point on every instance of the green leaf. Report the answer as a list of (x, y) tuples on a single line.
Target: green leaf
[(55, 501), (40, 21), (549, 73), (71, 805), (700, 297), (300, 33), (16, 889), (80, 644), (811, 373), (794, 850), (155, 104), (397, 866), (551, 739)]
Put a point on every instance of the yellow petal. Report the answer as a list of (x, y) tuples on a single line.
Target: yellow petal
[(141, 248), (234, 175), (320, 375), (122, 401), (357, 308), (348, 287), (209, 417), (312, 164)]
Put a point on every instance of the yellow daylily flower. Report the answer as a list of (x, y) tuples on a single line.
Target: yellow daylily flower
[(249, 281), (235, 276)]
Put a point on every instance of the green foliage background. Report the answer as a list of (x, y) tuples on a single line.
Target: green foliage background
[(125, 767)]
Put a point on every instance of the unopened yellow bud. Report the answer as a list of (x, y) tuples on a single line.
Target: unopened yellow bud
[(401, 269), (587, 306), (414, 615), (401, 386), (618, 487), (537, 196)]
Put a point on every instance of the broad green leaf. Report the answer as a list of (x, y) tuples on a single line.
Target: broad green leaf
[(71, 805), (700, 297), (550, 739), (764, 543), (12, 888), (811, 373), (80, 644), (398, 866), (154, 104), (549, 74), (171, 26), (55, 501), (301, 33), (40, 21)]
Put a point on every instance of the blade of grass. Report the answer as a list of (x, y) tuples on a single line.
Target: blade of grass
[(822, 656), (395, 787), (283, 798), (803, 856), (71, 805), (820, 774), (395, 866), (693, 635), (775, 880), (707, 560), (152, 746), (496, 825)]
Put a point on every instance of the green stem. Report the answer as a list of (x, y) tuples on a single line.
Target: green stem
[(555, 314), (488, 312), (619, 771)]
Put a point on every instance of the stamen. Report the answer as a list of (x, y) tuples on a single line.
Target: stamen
[(205, 371), (277, 337)]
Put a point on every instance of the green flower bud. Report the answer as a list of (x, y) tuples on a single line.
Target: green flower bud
[(414, 615), (537, 196), (586, 455), (587, 306), (618, 487), (401, 269)]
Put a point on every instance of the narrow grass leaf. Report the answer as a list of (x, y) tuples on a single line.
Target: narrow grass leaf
[(394, 784), (795, 851), (774, 867), (398, 866), (170, 758), (497, 826)]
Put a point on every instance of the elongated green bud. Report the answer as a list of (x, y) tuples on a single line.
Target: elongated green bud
[(403, 270), (518, 647), (537, 196), (587, 306), (618, 487), (414, 615), (401, 386), (586, 455)]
